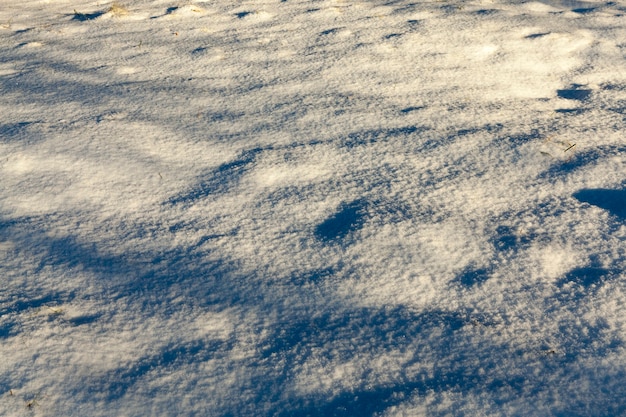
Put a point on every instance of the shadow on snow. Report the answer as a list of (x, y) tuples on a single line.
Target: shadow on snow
[(613, 201)]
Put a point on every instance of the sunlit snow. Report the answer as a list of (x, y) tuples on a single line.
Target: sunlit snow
[(312, 208)]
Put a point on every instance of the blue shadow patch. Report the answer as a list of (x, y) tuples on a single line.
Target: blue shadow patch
[(473, 276), (574, 94), (585, 276), (613, 201), (82, 320), (350, 217), (585, 10)]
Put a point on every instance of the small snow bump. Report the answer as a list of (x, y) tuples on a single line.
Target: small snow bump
[(127, 70), (540, 7)]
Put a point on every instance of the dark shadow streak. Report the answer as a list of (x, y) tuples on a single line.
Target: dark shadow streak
[(221, 179), (581, 159), (115, 384), (83, 17)]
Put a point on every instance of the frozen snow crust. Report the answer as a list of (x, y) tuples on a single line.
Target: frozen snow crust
[(312, 208)]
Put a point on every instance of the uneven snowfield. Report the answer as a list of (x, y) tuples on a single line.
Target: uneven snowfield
[(312, 208)]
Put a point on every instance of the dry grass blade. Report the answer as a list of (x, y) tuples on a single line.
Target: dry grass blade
[(118, 10)]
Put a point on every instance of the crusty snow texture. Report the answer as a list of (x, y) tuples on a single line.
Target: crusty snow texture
[(312, 208)]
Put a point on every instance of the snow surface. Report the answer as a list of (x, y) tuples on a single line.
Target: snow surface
[(298, 207)]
